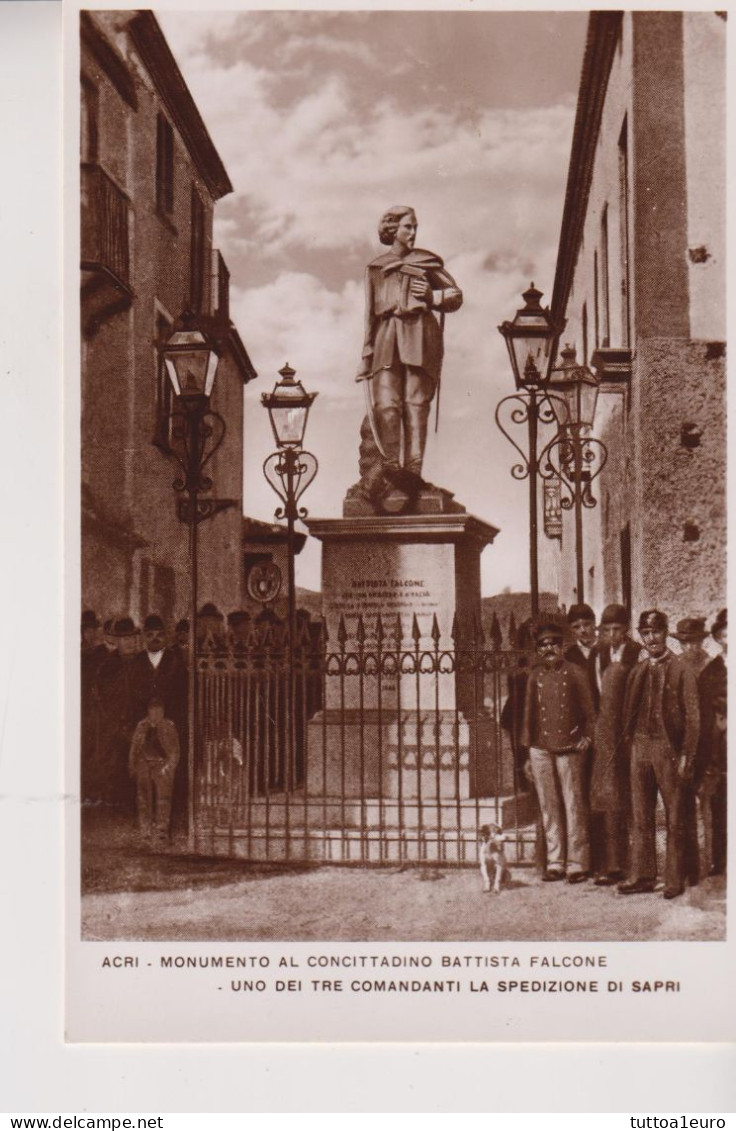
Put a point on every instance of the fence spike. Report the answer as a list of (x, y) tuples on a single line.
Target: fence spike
[(455, 630), (360, 632), (342, 632), (512, 630), (380, 633), (415, 633), (398, 630), (496, 634), (435, 629)]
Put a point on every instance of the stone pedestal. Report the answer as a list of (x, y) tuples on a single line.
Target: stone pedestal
[(402, 718)]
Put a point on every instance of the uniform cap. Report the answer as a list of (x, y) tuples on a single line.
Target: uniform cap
[(653, 618)]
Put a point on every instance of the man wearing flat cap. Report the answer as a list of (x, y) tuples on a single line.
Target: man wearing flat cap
[(661, 719), (610, 787), (712, 748), (557, 728)]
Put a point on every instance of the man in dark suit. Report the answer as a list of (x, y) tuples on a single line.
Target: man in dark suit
[(157, 672), (581, 623), (661, 719), (115, 726), (558, 724), (93, 653), (712, 748), (610, 787)]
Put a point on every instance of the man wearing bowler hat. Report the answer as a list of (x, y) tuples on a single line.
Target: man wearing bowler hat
[(690, 634), (712, 748), (557, 728), (158, 672), (93, 653), (610, 791), (581, 623), (661, 719), (114, 696)]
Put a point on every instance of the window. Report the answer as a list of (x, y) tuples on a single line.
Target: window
[(89, 126), (625, 539), (596, 309), (585, 333), (623, 181), (164, 166), (164, 392), (605, 303), (196, 274)]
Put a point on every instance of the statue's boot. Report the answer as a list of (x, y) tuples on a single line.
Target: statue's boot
[(388, 420), (416, 418)]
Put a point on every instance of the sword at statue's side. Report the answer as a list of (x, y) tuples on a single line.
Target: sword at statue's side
[(371, 412)]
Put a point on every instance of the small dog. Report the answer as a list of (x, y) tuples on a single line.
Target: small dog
[(491, 852)]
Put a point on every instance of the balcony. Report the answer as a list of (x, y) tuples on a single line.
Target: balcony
[(105, 258)]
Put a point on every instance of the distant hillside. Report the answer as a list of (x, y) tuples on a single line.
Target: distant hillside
[(518, 604), (310, 600)]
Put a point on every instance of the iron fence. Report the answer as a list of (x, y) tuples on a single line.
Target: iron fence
[(378, 747)]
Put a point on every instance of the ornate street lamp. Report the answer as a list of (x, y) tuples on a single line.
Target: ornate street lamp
[(196, 433), (572, 457), (289, 471), (529, 339)]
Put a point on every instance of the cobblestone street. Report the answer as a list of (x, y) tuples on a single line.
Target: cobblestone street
[(131, 894)]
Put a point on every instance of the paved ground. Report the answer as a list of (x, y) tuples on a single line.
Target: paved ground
[(131, 894)]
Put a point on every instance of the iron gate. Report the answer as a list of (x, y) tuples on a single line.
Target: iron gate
[(380, 748)]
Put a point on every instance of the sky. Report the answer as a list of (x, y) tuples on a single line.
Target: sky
[(324, 119)]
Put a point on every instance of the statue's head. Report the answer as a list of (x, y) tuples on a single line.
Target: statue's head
[(389, 222)]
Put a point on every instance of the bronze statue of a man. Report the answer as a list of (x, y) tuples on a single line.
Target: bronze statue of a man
[(402, 353)]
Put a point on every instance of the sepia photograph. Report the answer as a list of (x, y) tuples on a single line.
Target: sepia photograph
[(403, 476)]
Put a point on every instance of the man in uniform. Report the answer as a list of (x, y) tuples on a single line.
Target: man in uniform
[(558, 723), (661, 719), (402, 350)]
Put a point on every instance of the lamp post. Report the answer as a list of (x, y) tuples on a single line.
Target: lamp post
[(529, 339), (572, 456), (196, 434), (289, 471)]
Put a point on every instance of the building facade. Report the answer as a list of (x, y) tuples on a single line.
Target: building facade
[(150, 179), (640, 284)]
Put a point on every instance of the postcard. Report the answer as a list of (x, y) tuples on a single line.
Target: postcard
[(396, 474)]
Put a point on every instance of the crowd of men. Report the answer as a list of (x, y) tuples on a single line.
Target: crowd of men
[(134, 702), (605, 726)]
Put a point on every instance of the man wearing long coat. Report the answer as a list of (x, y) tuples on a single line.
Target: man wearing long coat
[(610, 785), (710, 779), (661, 719)]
